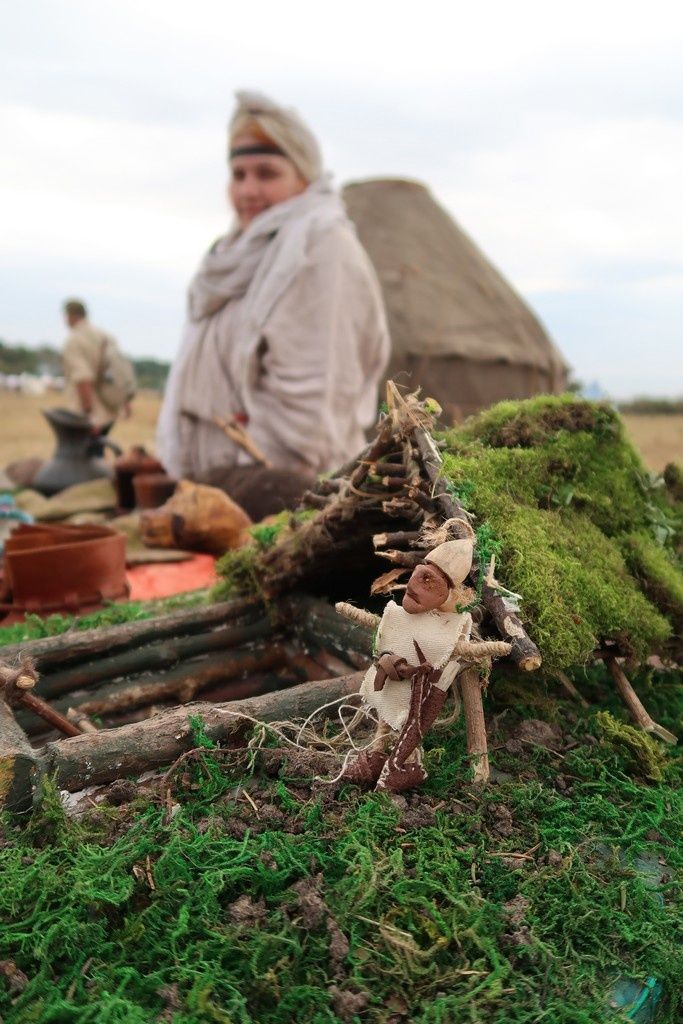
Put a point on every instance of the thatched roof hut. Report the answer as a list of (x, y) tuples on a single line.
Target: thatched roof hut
[(459, 330)]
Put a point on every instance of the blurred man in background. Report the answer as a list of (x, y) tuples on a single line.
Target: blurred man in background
[(100, 381)]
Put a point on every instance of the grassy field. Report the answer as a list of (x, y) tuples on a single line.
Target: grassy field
[(25, 432)]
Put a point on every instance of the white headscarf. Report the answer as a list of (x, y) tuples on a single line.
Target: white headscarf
[(283, 126)]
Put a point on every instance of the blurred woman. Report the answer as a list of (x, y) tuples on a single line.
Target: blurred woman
[(286, 335)]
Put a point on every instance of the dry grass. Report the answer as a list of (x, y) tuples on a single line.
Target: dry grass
[(658, 438), (25, 433)]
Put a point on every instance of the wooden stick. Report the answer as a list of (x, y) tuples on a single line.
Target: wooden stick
[(333, 665), (318, 623), (476, 650), (403, 508), (153, 657), (525, 653), (83, 645), (431, 461), (359, 615), (81, 720), (382, 444), (142, 746), (306, 667), (314, 500), (564, 679), (399, 539), (393, 483), (408, 559), (48, 714), (328, 486), (470, 683), (637, 711), (237, 433), (20, 768)]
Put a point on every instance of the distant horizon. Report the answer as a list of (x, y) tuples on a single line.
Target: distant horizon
[(586, 386)]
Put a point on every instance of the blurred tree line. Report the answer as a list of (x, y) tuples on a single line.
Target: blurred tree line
[(15, 359)]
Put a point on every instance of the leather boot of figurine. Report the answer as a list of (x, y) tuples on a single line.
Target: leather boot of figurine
[(366, 768), (426, 702)]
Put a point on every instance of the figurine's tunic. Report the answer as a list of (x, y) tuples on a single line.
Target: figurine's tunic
[(436, 633)]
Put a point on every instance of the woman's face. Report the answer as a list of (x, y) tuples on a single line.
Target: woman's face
[(260, 180)]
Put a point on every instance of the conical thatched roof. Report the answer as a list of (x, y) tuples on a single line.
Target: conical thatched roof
[(443, 296)]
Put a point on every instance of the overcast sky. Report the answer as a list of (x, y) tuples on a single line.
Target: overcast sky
[(552, 132)]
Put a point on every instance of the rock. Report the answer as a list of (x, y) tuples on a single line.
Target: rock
[(539, 733), (347, 1003), (245, 911), (311, 904)]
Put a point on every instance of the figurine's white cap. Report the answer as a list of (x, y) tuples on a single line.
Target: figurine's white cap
[(454, 558)]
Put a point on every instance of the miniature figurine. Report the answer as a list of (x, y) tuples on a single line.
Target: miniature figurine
[(420, 645)]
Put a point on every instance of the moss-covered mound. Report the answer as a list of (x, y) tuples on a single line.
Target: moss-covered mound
[(587, 536)]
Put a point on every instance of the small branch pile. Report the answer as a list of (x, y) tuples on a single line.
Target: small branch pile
[(398, 476)]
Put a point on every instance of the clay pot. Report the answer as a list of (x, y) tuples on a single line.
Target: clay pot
[(78, 455), (51, 569), (153, 489), (126, 468)]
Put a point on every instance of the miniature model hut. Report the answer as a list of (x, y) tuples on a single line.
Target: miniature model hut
[(573, 562), (583, 535)]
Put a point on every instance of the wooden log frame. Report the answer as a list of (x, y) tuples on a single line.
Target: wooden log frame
[(177, 685), (154, 656), (176, 669), (96, 759)]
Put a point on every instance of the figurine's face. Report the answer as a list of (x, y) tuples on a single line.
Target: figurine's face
[(427, 589)]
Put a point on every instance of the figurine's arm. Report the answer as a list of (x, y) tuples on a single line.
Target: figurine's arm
[(477, 650)]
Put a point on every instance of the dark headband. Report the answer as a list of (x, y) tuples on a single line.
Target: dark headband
[(259, 149)]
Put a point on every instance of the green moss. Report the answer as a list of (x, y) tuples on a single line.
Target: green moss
[(643, 752), (656, 570), (443, 923), (238, 570), (586, 534), (530, 423), (35, 627)]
